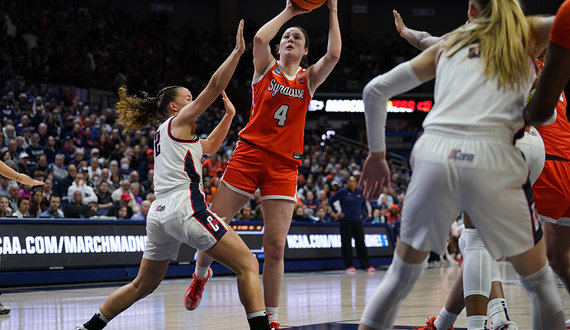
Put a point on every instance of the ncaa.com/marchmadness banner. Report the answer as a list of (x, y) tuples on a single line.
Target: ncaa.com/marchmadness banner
[(76, 244)]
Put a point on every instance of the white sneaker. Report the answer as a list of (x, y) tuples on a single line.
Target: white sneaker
[(568, 324), (4, 309), (505, 326)]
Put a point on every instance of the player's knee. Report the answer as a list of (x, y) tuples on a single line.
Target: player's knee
[(275, 252)]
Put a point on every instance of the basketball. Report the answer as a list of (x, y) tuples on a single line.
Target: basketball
[(309, 4)]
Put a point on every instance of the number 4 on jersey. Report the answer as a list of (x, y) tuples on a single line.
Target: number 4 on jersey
[(281, 115)]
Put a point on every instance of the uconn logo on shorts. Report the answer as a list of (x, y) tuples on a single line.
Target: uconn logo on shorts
[(160, 208), (456, 154)]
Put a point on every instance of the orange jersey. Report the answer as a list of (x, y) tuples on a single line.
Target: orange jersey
[(560, 32), (278, 111), (556, 136)]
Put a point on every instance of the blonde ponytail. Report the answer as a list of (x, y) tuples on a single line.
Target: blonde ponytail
[(503, 34)]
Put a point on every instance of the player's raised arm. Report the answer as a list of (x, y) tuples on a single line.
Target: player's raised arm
[(262, 55), (321, 70), (213, 142), (419, 39), (8, 172), (217, 84)]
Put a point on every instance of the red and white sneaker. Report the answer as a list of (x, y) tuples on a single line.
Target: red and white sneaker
[(274, 326), (351, 270), (505, 326), (371, 270), (430, 325), (568, 324), (193, 294)]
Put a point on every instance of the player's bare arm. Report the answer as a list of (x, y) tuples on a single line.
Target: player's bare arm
[(262, 55), (318, 72), (419, 39)]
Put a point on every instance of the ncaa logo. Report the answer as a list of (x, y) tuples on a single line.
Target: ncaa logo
[(277, 71)]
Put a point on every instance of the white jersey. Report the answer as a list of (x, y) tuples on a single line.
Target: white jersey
[(465, 96), (178, 165)]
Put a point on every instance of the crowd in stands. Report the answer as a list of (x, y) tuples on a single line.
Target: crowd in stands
[(80, 151), (92, 44)]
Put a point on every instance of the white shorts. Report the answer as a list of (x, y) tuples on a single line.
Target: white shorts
[(479, 172), (171, 221), (532, 147)]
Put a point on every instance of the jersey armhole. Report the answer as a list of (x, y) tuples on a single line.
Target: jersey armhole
[(269, 66)]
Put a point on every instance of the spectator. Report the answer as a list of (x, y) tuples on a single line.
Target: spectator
[(310, 201), (123, 201), (5, 209), (213, 165), (42, 134), (136, 158), (26, 191), (151, 197), (245, 213), (51, 150), (309, 186), (47, 189), (5, 185), (143, 212), (68, 180), (59, 170), (76, 198), (106, 178), (53, 210), (57, 186), (299, 213), (35, 150), (103, 145), (125, 169), (94, 172), (104, 196), (135, 191), (146, 165), (68, 149), (393, 214), (122, 212), (353, 204), (150, 177), (124, 187), (94, 210), (116, 180), (78, 157), (14, 191), (23, 206), (80, 184), (23, 164), (259, 213), (37, 203)]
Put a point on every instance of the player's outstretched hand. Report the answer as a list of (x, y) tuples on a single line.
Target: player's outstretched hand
[(399, 22), (375, 175), (240, 41), (296, 10), (230, 109)]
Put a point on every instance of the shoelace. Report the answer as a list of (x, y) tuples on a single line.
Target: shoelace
[(198, 285)]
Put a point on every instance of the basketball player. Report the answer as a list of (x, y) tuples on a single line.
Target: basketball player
[(467, 155), (179, 214), (552, 189), (477, 297), (271, 145), (9, 173)]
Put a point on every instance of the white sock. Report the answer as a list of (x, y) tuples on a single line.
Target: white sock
[(102, 317), (201, 272), (498, 311), (381, 311), (545, 300), (255, 314), (445, 319), (477, 322), (272, 312)]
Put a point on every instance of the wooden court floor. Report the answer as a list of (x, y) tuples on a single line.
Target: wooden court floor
[(329, 300)]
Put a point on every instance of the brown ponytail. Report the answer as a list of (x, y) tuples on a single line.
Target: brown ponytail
[(136, 113)]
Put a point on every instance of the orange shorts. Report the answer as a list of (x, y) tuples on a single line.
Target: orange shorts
[(552, 192), (252, 167)]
